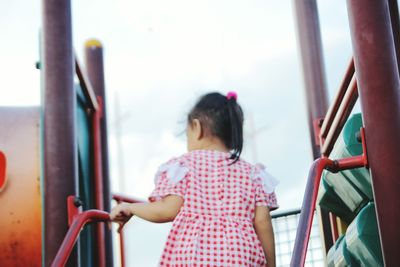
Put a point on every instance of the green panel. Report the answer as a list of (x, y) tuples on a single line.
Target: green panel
[(346, 191), (362, 238), (353, 187), (86, 193), (330, 201), (339, 256), (346, 146), (342, 257), (330, 260)]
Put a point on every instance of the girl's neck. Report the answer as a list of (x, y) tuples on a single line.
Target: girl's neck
[(213, 145)]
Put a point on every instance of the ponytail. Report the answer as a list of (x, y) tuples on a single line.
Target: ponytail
[(236, 122)]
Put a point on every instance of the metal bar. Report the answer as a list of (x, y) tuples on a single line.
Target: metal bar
[(78, 223), (86, 86), (340, 118), (123, 198), (59, 130), (122, 239), (379, 89), (95, 71), (334, 227), (310, 199), (309, 37), (122, 247), (333, 108), (275, 215), (395, 21), (98, 182), (307, 211)]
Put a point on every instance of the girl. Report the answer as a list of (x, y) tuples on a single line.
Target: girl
[(219, 204)]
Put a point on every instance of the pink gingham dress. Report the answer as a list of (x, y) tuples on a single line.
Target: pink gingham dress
[(215, 224)]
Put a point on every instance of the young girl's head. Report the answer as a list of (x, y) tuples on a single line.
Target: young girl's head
[(216, 119)]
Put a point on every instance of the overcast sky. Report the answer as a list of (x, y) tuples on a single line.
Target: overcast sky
[(160, 56)]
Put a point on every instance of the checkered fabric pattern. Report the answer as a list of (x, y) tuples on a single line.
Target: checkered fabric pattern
[(215, 224)]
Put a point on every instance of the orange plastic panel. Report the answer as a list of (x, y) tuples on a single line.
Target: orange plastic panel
[(20, 197)]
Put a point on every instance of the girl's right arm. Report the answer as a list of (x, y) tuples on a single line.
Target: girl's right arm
[(265, 233), (164, 210)]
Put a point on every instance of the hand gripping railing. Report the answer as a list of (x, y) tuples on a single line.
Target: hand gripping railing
[(121, 198), (78, 219), (310, 198)]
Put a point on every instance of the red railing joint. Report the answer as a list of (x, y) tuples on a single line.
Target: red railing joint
[(74, 207)]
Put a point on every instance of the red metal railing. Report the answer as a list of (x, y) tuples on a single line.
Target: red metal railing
[(328, 133), (78, 219), (310, 198), (98, 178), (334, 107), (339, 111), (78, 222), (86, 86)]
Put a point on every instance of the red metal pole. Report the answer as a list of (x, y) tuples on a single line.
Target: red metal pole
[(98, 176), (122, 247), (313, 64), (95, 70), (379, 89), (72, 235), (309, 37), (59, 131)]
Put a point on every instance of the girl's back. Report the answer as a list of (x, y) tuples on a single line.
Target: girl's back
[(219, 204), (215, 223)]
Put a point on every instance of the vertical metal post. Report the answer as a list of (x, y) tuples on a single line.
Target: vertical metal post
[(59, 131), (395, 21), (309, 38), (379, 90), (95, 70)]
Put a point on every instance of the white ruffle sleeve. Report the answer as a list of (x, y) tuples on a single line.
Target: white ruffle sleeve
[(265, 187), (170, 180)]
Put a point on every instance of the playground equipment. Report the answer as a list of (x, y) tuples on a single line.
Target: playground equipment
[(374, 75), (356, 158)]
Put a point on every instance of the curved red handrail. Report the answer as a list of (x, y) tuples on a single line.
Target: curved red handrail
[(310, 198), (79, 221)]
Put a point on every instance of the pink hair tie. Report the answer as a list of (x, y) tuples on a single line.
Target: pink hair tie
[(231, 94)]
